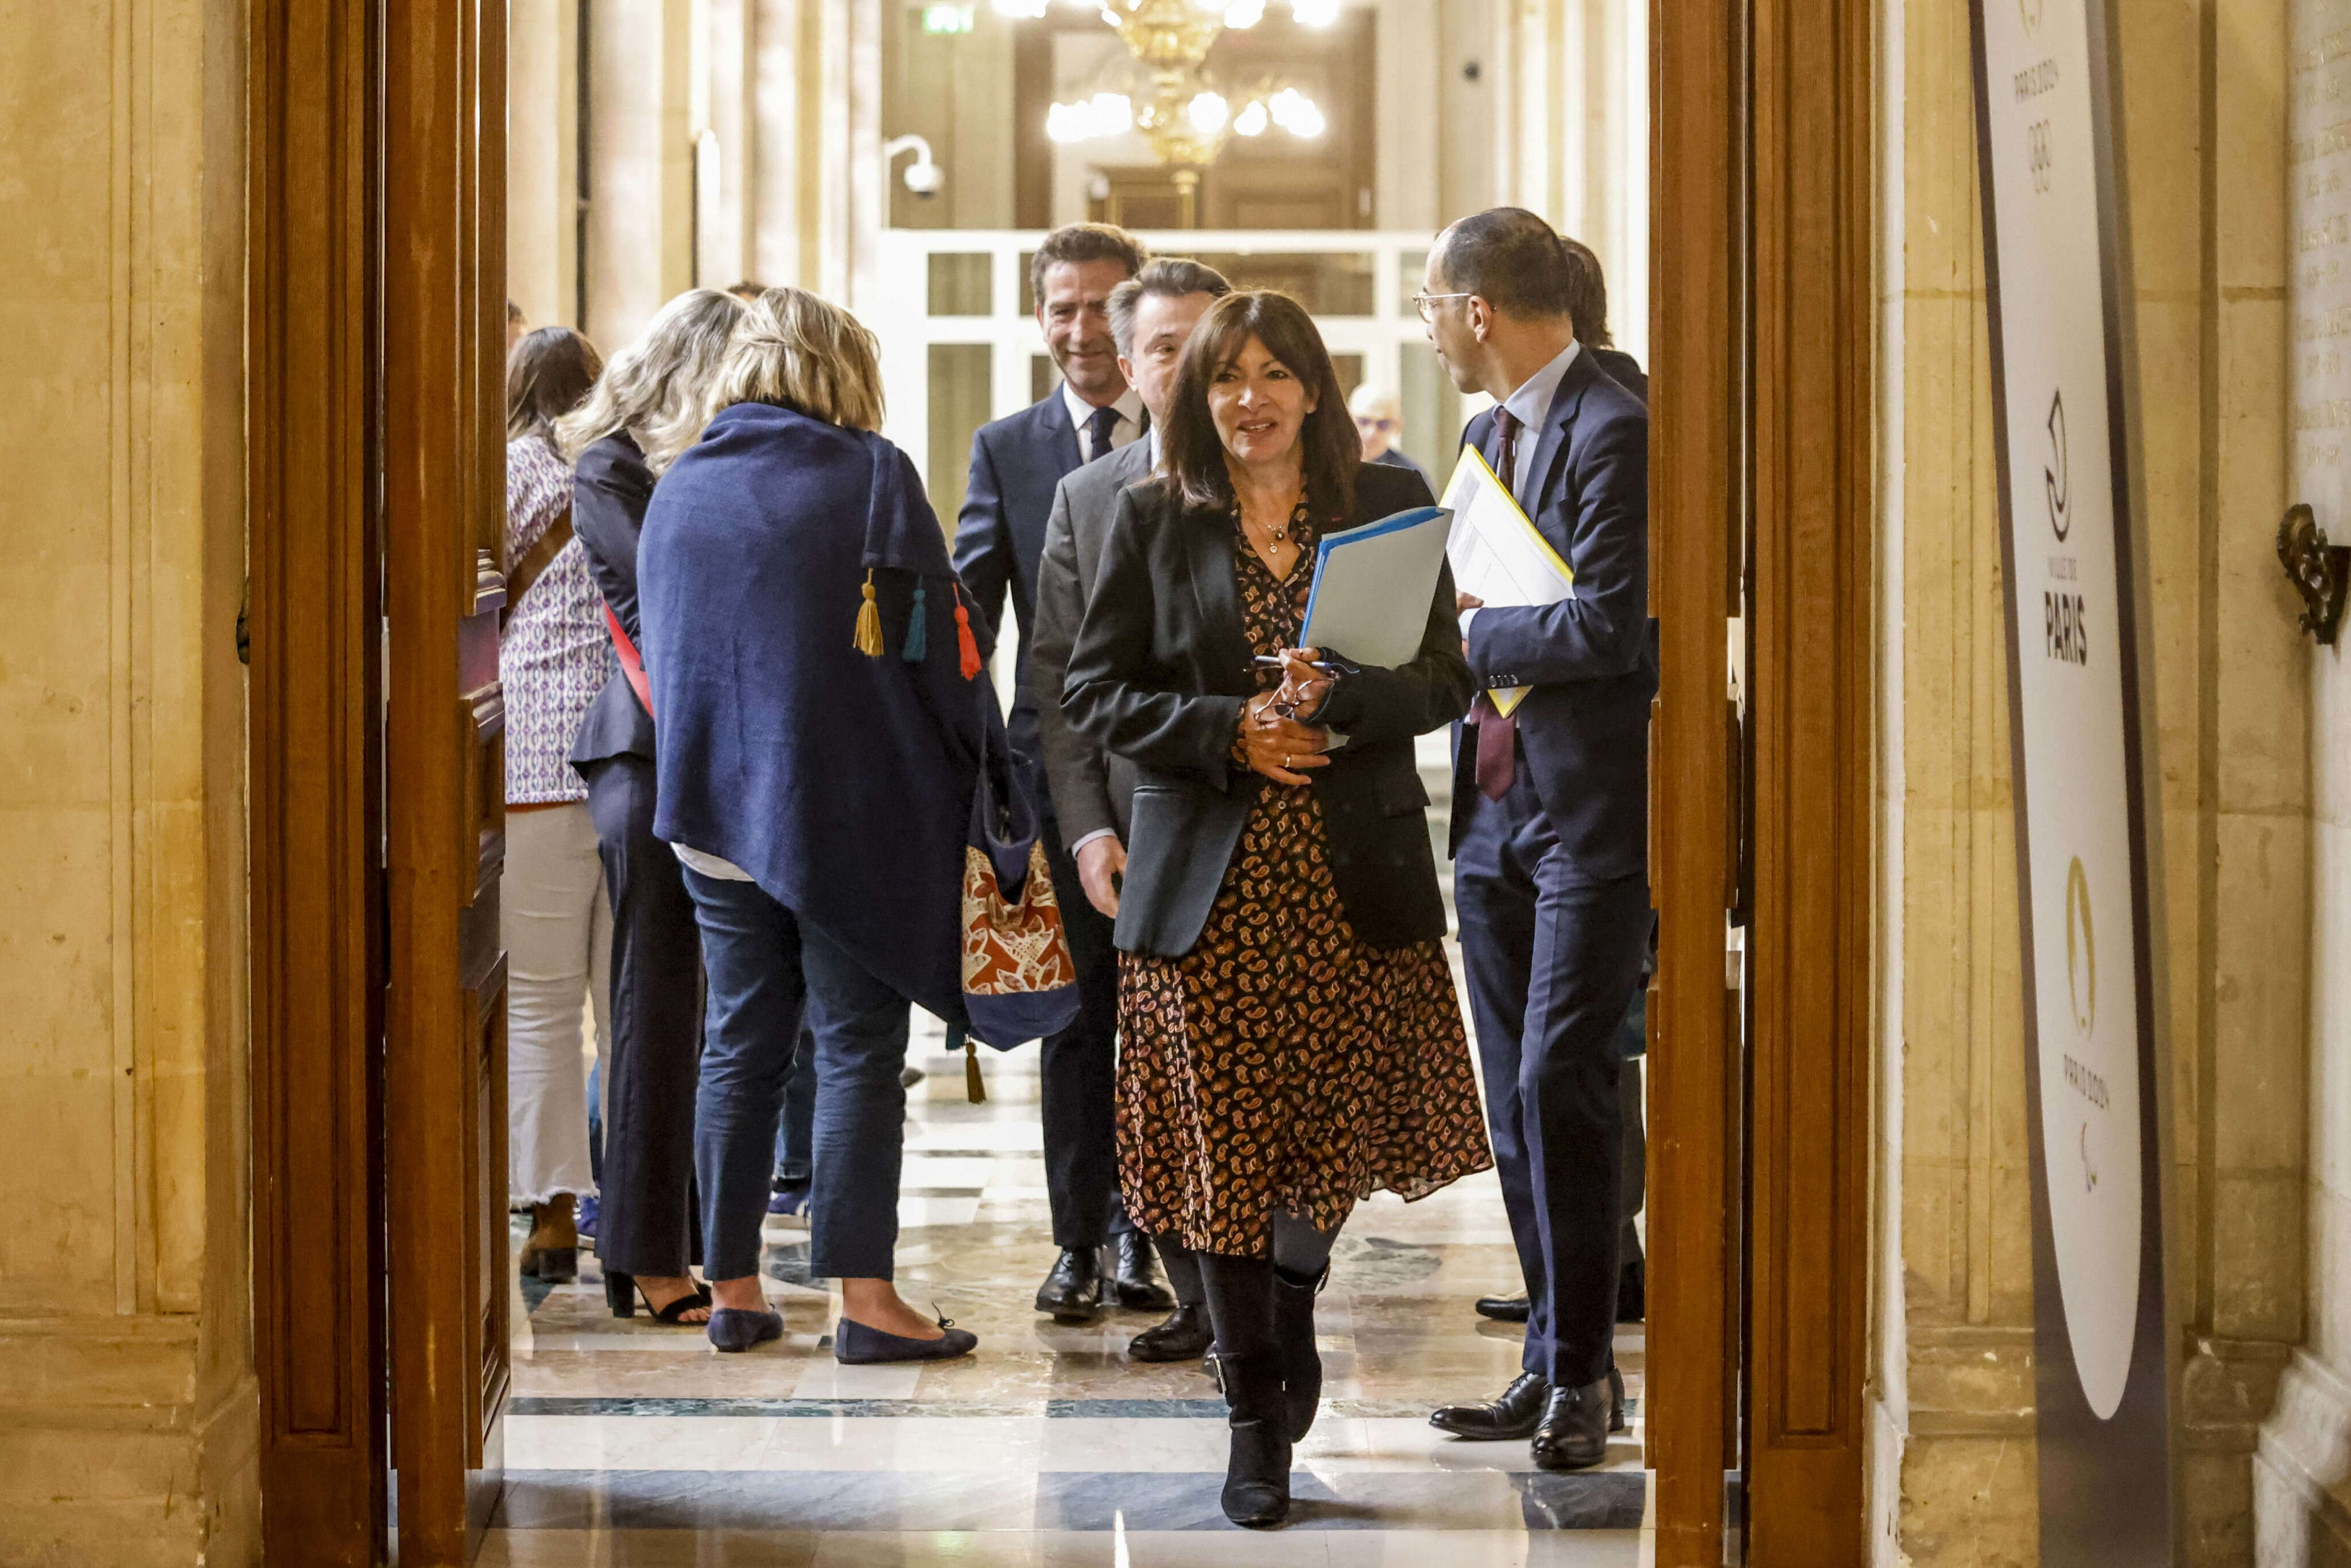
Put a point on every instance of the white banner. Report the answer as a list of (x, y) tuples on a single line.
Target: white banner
[(2076, 606)]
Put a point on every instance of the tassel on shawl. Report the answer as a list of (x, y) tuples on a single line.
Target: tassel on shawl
[(973, 1088), (965, 642), (918, 628), (869, 624)]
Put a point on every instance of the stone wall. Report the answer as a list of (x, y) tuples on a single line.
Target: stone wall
[(2301, 1502), (2204, 132), (128, 1416)]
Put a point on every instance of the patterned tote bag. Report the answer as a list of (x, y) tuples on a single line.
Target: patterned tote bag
[(1020, 982)]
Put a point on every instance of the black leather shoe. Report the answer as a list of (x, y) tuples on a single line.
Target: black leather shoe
[(1512, 1418), (1185, 1336), (1072, 1293), (1504, 1309), (1573, 1433), (1632, 1293), (1134, 1280)]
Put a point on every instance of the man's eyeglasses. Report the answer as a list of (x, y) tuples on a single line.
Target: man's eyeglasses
[(1423, 300)]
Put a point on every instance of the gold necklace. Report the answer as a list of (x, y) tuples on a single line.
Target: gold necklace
[(1279, 534)]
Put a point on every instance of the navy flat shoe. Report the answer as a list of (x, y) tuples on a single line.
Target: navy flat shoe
[(854, 1345), (732, 1329)]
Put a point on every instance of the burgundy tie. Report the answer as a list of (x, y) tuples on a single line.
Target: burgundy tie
[(1497, 731), (1506, 451)]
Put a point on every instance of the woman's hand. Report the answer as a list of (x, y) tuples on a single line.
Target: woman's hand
[(1305, 688), (1282, 750)]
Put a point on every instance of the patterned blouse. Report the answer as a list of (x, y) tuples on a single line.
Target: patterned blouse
[(554, 655)]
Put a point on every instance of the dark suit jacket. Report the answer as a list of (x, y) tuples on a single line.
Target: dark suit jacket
[(1159, 675), (1016, 464), (1624, 369), (610, 488), (1092, 788), (1592, 659)]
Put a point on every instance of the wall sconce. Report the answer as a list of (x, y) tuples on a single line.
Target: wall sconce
[(2320, 571)]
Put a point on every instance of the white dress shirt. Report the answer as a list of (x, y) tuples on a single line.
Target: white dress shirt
[(1081, 414), (1529, 405)]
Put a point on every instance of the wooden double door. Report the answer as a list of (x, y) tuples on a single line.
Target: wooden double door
[(376, 404), (376, 335)]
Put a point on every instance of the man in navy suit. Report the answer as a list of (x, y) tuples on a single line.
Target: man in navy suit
[(1017, 463), (1587, 306), (1551, 811)]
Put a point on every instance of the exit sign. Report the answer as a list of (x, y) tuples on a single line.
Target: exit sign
[(947, 18)]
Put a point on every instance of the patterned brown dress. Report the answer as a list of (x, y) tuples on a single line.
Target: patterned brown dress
[(1282, 1065)]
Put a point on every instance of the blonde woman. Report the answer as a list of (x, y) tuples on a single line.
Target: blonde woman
[(822, 706), (649, 405)]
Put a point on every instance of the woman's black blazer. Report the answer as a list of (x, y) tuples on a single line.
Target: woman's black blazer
[(1159, 674)]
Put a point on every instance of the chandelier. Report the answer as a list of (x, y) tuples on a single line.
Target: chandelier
[(1176, 109)]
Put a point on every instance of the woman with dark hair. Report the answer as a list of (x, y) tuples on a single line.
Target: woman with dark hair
[(553, 658), (1291, 1040), (649, 404)]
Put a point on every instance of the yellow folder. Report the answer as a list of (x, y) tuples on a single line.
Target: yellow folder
[(1497, 553)]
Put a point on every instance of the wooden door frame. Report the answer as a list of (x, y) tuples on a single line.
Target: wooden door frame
[(1761, 360), (444, 845), (375, 325), (314, 759), (1762, 341)]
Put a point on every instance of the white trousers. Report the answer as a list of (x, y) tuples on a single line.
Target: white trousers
[(558, 926)]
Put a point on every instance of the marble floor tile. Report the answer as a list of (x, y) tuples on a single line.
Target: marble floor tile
[(632, 1445), (1087, 1549), (825, 1378), (649, 1549), (967, 1500)]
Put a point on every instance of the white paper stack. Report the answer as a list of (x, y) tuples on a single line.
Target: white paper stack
[(1498, 555)]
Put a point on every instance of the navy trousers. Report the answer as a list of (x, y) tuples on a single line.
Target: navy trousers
[(796, 1139), (765, 968), (1554, 958), (1078, 1074), (646, 1222)]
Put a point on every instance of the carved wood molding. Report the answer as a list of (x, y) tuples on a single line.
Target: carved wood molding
[(1694, 1082), (444, 502), (316, 928), (1811, 663)]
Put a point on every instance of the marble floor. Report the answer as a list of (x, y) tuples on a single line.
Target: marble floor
[(632, 1446)]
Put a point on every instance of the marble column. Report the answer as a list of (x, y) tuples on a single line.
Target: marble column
[(2302, 1502), (542, 159), (640, 250), (1571, 86)]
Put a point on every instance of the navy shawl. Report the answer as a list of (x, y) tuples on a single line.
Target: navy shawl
[(841, 782)]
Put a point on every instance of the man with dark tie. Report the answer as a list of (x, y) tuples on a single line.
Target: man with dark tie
[(1587, 307), (1016, 463), (1551, 811)]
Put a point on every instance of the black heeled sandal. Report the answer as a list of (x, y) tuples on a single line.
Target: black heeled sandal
[(621, 1294)]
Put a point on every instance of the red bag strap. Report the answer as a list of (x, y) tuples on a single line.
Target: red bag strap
[(631, 664)]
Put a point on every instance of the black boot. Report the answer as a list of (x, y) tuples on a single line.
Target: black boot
[(1302, 1360), (1249, 1368), (1257, 1473)]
